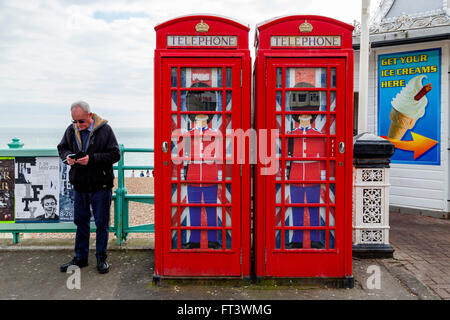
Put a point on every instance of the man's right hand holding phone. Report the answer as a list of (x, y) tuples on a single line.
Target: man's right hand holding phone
[(71, 159)]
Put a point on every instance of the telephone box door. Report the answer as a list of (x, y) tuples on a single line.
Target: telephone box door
[(201, 221), (305, 221)]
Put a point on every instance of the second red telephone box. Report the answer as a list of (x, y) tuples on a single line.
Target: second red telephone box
[(202, 196), (304, 98)]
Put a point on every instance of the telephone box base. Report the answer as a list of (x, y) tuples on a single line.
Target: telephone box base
[(372, 251), (339, 283), (201, 281)]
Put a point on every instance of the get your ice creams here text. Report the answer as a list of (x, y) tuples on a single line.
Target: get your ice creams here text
[(404, 71)]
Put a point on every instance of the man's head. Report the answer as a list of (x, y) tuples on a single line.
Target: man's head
[(81, 114), (49, 203)]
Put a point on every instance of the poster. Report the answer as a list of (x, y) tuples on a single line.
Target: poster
[(37, 189), (409, 105), (6, 190), (66, 196)]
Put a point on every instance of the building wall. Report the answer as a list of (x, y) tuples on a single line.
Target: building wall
[(424, 187)]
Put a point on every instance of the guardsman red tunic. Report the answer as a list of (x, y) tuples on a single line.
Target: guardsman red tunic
[(307, 147), (202, 165)]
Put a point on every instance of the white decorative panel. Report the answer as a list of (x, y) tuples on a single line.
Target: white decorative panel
[(371, 206), (372, 175), (371, 212), (371, 236)]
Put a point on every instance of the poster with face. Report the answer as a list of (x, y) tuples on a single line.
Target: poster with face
[(6, 190), (37, 189)]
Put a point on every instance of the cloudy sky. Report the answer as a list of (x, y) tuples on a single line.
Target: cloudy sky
[(54, 52)]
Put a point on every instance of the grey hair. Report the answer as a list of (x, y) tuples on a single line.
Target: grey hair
[(83, 105)]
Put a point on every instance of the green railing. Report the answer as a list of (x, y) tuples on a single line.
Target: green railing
[(122, 199), (121, 227)]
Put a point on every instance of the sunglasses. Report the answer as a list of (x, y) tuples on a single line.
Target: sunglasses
[(79, 121)]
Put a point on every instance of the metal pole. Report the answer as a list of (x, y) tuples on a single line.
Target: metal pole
[(120, 195), (16, 237), (364, 68)]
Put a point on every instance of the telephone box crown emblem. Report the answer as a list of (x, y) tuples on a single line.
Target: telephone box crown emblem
[(306, 27), (201, 27)]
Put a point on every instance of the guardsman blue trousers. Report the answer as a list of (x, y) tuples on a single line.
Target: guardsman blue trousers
[(209, 197)]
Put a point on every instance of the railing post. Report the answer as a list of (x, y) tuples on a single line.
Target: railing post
[(371, 156), (15, 144), (16, 237), (125, 219), (121, 191)]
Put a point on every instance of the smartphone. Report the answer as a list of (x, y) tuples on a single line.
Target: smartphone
[(78, 155)]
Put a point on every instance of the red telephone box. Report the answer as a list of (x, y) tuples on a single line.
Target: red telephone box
[(304, 96), (202, 195)]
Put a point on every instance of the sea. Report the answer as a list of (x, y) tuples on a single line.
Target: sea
[(36, 138)]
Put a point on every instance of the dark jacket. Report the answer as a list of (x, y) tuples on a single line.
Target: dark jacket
[(103, 152)]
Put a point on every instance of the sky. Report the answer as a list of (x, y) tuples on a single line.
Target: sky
[(55, 52)]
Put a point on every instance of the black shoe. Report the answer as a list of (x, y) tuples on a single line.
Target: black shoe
[(317, 245), (294, 245), (213, 245), (74, 262), (102, 266), (191, 245)]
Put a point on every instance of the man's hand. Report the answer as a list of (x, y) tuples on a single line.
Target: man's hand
[(83, 161), (70, 161)]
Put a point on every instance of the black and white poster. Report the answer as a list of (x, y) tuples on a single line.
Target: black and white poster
[(6, 189), (37, 189), (66, 196)]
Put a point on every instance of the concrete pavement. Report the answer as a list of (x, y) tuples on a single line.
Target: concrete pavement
[(422, 247), (420, 270), (35, 275)]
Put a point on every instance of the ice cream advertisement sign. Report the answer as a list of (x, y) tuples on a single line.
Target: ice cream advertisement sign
[(409, 105)]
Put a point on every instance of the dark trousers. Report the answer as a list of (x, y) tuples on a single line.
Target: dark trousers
[(101, 204)]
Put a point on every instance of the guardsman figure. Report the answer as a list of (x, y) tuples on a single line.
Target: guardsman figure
[(202, 166), (301, 170)]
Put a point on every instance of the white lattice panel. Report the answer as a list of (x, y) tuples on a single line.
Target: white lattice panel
[(371, 206)]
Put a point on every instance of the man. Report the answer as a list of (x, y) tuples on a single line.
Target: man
[(92, 178), (49, 203)]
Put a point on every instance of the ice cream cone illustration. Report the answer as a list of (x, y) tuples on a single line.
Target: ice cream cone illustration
[(399, 124), (407, 107)]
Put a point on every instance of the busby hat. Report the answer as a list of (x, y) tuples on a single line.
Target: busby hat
[(304, 100), (201, 101)]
